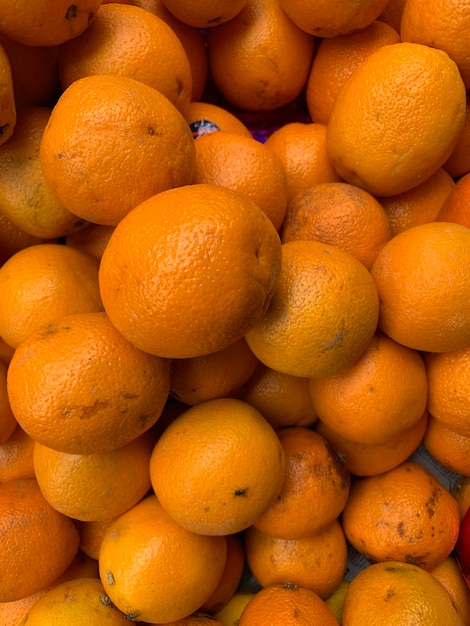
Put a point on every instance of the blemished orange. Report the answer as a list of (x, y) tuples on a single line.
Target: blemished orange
[(103, 138), (153, 569), (461, 492), (424, 290), (449, 574), (383, 394), (302, 150), (204, 13), (38, 542), (130, 41), (16, 456), (458, 164), (246, 166), (91, 536), (8, 421), (94, 487), (289, 605), (323, 313), (449, 447), (230, 614), (315, 488), (101, 391), (213, 375), (341, 215), (44, 282), (387, 138), (335, 60), (248, 61), (420, 528), (205, 117), (456, 207), (92, 239), (217, 467), (194, 244), (419, 205), (13, 239), (8, 111), (398, 593)]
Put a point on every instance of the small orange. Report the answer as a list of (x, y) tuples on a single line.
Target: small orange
[(449, 447), (204, 13), (38, 542), (92, 239), (16, 456), (458, 164), (13, 239), (194, 244), (101, 143), (101, 391), (421, 527), (91, 536), (323, 313), (461, 492), (6, 352), (341, 215), (246, 461), (392, 13), (8, 108), (82, 566), (230, 614), (423, 290), (154, 570), (8, 421), (448, 573), (456, 206), (207, 117), (315, 489)]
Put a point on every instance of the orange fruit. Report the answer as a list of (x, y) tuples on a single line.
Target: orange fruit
[(91, 536), (246, 166), (16, 456), (204, 14), (448, 573), (130, 41), (302, 149), (230, 614), (101, 143), (392, 13), (92, 239), (461, 492), (420, 528), (325, 18), (8, 421), (40, 284), (6, 352), (287, 604), (196, 619), (341, 215), (213, 375), (335, 60), (448, 446), (419, 205), (380, 396), (8, 111), (400, 593), (208, 117), (82, 566), (423, 290), (38, 542), (101, 391), (246, 460), (145, 549), (323, 313), (12, 613), (13, 239), (456, 206), (248, 61), (458, 163), (94, 487), (388, 139), (315, 489), (165, 299)]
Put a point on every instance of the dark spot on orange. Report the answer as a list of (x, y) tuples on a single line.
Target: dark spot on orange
[(241, 492), (71, 12)]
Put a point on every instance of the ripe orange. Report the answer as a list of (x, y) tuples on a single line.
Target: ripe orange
[(168, 263), (8, 421), (458, 163), (6, 352), (7, 97), (387, 138), (77, 385), (230, 614), (204, 14), (461, 492), (448, 573), (154, 570), (418, 518), (195, 619), (392, 13), (13, 239), (449, 447), (423, 290), (91, 536), (207, 117), (323, 313), (16, 456), (341, 215), (217, 467), (101, 143), (456, 206), (92, 239), (248, 60)]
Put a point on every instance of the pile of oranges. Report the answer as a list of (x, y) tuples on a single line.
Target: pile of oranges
[(234, 303)]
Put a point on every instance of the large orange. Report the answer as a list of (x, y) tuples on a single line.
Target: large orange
[(204, 13), (8, 111), (189, 271), (397, 118)]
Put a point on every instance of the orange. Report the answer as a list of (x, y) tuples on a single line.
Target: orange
[(380, 396), (94, 487), (8, 110), (421, 527), (442, 25), (8, 422), (246, 166), (82, 566), (458, 163), (6, 352), (448, 573), (289, 605), (204, 14), (302, 149), (170, 261), (16, 456), (213, 375), (195, 619), (207, 117), (448, 446), (327, 18), (154, 570), (130, 41), (12, 613), (40, 284), (315, 489), (387, 138), (218, 467), (38, 542), (341, 215), (461, 492), (423, 290), (419, 205), (392, 13), (92, 239), (335, 60), (91, 536), (323, 313), (101, 143), (260, 59), (398, 593), (13, 239), (230, 614), (77, 385), (456, 206)]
